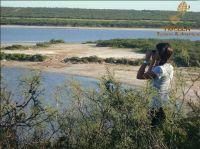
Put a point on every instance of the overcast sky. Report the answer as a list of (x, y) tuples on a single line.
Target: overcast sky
[(137, 5)]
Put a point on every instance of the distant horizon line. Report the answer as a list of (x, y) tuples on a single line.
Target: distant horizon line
[(90, 8)]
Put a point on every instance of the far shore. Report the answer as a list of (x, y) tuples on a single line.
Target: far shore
[(88, 27), (81, 27)]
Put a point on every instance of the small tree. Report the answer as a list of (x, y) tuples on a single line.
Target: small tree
[(24, 122)]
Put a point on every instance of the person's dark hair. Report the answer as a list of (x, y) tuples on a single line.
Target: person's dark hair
[(165, 51)]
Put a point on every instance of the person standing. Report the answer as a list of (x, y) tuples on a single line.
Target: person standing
[(160, 72)]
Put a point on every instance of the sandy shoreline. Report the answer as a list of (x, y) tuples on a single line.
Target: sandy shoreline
[(125, 75), (56, 53), (81, 27)]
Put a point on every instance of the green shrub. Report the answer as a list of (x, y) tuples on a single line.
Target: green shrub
[(118, 118), (42, 44), (47, 44), (37, 57), (110, 60), (109, 116), (22, 57), (14, 47), (95, 59), (53, 41)]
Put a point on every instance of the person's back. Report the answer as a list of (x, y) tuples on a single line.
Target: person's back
[(160, 72), (161, 83)]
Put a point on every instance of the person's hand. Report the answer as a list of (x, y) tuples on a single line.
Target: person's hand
[(153, 58), (148, 55), (152, 62)]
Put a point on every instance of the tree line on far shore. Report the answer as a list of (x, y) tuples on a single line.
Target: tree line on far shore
[(94, 23), (101, 14), (94, 18)]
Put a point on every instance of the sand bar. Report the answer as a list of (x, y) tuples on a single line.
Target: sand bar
[(58, 52)]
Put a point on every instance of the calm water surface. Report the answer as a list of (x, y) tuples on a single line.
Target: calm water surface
[(14, 34), (49, 80)]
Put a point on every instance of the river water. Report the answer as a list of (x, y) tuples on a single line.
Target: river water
[(50, 82), (27, 34)]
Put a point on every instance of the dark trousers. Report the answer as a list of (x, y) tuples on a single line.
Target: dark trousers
[(157, 116)]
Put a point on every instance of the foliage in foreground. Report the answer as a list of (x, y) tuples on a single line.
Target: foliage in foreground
[(23, 116), (22, 57), (111, 60), (108, 117), (186, 52)]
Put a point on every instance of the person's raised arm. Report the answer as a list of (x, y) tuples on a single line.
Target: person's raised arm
[(149, 74)]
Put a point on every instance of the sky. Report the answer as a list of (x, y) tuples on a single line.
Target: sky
[(137, 5)]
